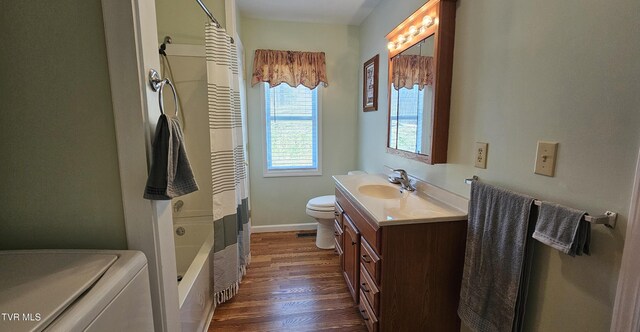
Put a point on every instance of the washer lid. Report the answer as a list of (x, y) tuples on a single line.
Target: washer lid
[(36, 287), (322, 203)]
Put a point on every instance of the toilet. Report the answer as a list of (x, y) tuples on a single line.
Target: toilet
[(322, 209)]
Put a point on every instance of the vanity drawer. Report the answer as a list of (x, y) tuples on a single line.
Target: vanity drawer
[(367, 313), (338, 214), (337, 232), (372, 233), (338, 250), (370, 260), (370, 290)]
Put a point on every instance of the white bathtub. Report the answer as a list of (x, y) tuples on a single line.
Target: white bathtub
[(194, 259)]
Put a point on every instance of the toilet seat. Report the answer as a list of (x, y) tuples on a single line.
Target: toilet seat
[(322, 203)]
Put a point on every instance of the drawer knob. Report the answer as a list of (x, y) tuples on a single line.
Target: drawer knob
[(353, 242), (336, 213), (336, 233), (365, 258), (364, 287), (364, 314)]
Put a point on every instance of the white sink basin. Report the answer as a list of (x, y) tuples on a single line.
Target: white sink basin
[(380, 191), (388, 206)]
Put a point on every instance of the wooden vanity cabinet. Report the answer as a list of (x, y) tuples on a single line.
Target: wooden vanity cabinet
[(403, 277)]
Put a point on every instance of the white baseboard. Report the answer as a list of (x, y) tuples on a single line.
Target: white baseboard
[(284, 228)]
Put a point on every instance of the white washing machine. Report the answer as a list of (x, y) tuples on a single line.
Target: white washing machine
[(74, 290)]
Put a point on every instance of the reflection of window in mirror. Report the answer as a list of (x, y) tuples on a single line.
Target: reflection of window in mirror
[(411, 99)]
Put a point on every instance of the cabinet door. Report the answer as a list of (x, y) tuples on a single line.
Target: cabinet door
[(351, 247)]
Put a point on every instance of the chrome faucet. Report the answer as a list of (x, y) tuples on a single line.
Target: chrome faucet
[(404, 181)]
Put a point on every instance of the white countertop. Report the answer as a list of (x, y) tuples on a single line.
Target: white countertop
[(425, 205)]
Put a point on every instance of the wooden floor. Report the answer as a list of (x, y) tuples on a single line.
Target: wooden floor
[(290, 285)]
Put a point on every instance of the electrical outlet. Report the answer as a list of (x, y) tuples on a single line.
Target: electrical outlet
[(481, 155), (546, 158)]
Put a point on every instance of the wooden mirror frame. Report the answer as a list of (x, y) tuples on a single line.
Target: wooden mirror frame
[(443, 30)]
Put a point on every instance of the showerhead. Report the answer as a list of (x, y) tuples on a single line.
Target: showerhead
[(163, 46)]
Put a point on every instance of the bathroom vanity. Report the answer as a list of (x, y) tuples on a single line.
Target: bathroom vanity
[(401, 254)]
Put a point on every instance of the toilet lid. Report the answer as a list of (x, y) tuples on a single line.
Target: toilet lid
[(322, 203)]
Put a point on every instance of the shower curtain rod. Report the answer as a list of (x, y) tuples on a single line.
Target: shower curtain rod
[(206, 10)]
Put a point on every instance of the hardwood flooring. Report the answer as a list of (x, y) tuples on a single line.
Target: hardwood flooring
[(290, 285)]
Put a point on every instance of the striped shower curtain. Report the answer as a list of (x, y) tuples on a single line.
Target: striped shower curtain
[(228, 168)]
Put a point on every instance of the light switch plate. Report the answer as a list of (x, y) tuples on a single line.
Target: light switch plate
[(546, 158), (481, 155)]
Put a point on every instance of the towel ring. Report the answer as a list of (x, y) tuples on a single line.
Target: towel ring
[(166, 81), (157, 84)]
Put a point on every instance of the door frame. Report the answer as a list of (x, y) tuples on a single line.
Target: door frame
[(131, 40), (626, 311)]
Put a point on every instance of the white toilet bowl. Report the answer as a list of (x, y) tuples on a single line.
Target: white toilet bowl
[(322, 209)]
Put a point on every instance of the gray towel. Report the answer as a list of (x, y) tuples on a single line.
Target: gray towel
[(564, 229), (497, 234), (170, 175), (180, 176)]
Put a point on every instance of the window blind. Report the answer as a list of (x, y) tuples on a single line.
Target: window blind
[(291, 116)]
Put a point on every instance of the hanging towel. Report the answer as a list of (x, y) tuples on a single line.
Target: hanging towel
[(563, 228), (492, 281), (157, 181), (180, 179), (170, 175)]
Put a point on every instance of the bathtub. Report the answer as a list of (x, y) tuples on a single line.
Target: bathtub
[(194, 259)]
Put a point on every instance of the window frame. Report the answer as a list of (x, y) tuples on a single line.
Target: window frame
[(266, 172)]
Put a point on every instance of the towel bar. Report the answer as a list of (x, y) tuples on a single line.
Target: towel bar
[(608, 218)]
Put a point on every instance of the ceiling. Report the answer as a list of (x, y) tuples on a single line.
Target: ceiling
[(351, 12)]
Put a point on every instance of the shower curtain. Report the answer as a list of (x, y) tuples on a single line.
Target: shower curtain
[(228, 168)]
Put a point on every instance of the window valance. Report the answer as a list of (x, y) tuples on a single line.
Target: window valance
[(291, 67), (409, 70)]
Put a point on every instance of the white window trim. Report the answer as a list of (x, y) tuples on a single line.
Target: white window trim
[(285, 173)]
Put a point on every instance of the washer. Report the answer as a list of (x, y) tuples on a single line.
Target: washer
[(74, 290)]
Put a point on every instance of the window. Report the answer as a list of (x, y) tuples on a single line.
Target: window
[(292, 131), (410, 120)]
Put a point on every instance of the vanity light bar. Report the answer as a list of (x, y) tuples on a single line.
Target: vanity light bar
[(413, 31), (608, 218)]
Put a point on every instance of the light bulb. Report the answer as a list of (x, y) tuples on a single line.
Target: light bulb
[(401, 39), (422, 29), (427, 21), (413, 30), (391, 46)]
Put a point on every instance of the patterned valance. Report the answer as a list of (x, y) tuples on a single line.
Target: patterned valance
[(409, 70), (291, 67)]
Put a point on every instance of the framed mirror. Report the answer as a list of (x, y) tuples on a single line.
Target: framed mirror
[(420, 68)]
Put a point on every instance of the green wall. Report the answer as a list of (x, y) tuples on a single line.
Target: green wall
[(525, 71), (282, 200), (61, 186), (184, 20)]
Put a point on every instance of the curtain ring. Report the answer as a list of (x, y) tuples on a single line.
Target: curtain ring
[(175, 95)]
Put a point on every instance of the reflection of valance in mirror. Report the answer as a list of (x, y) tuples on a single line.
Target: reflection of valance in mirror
[(409, 70), (291, 67)]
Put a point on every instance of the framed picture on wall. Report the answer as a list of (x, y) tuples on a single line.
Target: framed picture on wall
[(370, 85)]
